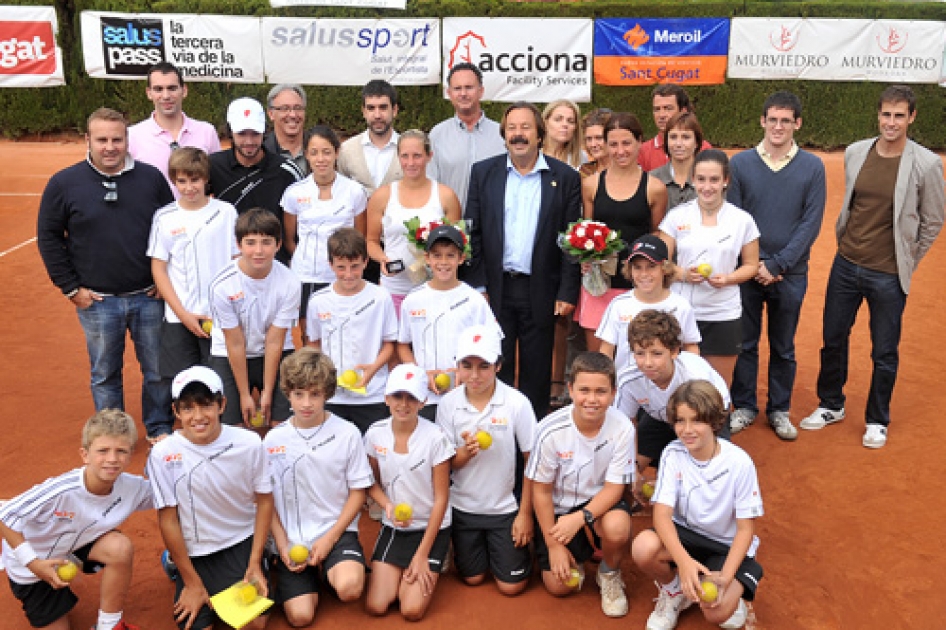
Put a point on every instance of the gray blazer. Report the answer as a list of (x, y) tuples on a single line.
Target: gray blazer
[(918, 206), (351, 163)]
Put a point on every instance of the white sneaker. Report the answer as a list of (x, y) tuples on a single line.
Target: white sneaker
[(875, 436), (820, 418), (782, 425), (613, 600), (738, 618), (740, 419), (667, 610)]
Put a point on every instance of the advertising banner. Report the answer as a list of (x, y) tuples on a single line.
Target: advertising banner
[(351, 52), (358, 4), (530, 59), (29, 56), (219, 48), (631, 51), (836, 50)]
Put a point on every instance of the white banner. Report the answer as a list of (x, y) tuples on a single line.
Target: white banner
[(359, 4), (29, 56), (219, 48), (351, 52), (836, 50), (529, 59)]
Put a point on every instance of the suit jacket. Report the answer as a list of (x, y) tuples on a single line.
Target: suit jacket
[(553, 277), (919, 202), (351, 163)]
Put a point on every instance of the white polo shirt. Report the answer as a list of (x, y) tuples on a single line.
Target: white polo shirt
[(408, 477), (708, 497), (352, 329), (485, 484), (237, 300), (578, 466), (313, 472)]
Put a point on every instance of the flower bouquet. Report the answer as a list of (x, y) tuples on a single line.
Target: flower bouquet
[(417, 234), (593, 242)]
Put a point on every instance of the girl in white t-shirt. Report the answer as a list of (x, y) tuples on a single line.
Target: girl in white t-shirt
[(703, 546), (717, 248)]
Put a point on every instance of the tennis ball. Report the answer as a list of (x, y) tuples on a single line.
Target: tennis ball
[(258, 419), (207, 326), (299, 554), (442, 381), (67, 571), (248, 594), (708, 591), (705, 269), (574, 579), (484, 439), (647, 490), (403, 512), (349, 378)]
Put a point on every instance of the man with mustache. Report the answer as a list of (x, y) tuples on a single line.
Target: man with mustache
[(517, 205)]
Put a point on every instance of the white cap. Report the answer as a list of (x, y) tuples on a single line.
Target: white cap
[(409, 378), (246, 114), (479, 341), (196, 374)]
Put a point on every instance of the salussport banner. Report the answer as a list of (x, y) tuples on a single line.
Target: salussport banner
[(351, 52), (220, 48), (29, 56), (631, 51), (836, 50), (529, 59)]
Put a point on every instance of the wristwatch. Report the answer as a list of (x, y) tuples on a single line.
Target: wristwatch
[(589, 517)]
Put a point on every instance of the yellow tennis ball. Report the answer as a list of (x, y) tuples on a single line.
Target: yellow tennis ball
[(248, 594), (442, 381), (299, 554), (258, 419), (709, 591), (705, 269), (67, 571), (403, 512), (349, 378), (207, 326), (647, 490), (574, 579), (484, 439)]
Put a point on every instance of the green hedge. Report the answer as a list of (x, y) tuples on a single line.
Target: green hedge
[(836, 113)]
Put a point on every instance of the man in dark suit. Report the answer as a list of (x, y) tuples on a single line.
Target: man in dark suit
[(517, 205)]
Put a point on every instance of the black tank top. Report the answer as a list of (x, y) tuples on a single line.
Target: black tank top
[(631, 217)]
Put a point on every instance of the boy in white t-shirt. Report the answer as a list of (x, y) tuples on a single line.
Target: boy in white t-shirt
[(77, 514), (410, 459), (191, 240), (432, 314), (213, 493), (320, 477), (581, 463), (652, 274), (705, 505), (645, 386), (354, 323), (255, 304), (488, 423)]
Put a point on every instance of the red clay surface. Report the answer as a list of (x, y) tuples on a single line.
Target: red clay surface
[(848, 538)]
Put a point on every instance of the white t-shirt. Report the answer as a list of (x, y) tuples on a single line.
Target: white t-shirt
[(213, 486), (636, 390), (196, 245), (718, 245), (313, 472), (577, 466), (352, 329), (317, 219), (432, 319), (622, 309), (485, 484), (237, 300), (708, 497), (394, 234), (408, 477), (60, 515)]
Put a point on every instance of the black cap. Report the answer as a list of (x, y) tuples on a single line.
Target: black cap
[(446, 232), (650, 247)]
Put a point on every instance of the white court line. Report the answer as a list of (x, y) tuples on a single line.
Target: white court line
[(20, 194), (16, 247)]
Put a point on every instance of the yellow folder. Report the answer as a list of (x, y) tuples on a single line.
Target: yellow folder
[(231, 607)]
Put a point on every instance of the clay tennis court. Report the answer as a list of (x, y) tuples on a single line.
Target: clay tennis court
[(849, 538)]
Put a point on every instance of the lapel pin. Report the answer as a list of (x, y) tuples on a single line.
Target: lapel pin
[(554, 183)]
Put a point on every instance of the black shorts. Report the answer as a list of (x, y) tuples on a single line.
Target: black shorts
[(654, 435), (397, 547), (44, 604), (712, 554), (580, 546), (483, 542), (429, 412), (254, 371), (720, 338), (180, 349), (362, 416), (288, 584), (308, 288), (218, 571)]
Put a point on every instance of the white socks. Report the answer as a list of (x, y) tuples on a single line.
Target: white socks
[(107, 621)]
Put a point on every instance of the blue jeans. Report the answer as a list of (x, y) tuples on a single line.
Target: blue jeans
[(783, 302), (104, 324), (848, 286)]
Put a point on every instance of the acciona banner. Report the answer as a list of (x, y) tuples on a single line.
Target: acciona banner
[(527, 59), (29, 56), (219, 48), (836, 50)]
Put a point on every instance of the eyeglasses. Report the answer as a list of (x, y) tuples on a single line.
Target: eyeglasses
[(174, 146), (111, 191), (283, 109)]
